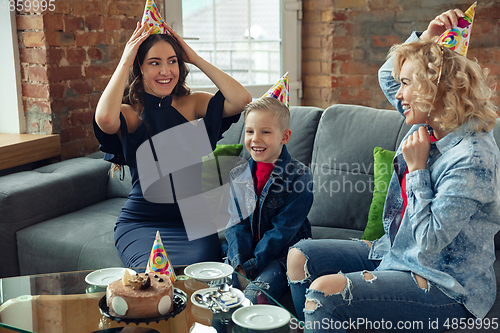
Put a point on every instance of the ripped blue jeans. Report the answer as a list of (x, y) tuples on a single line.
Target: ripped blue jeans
[(385, 300), (272, 279)]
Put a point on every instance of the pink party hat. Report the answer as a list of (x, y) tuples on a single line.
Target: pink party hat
[(153, 19), (280, 90), (457, 38), (158, 260)]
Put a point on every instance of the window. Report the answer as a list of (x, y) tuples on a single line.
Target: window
[(254, 41), (12, 114)]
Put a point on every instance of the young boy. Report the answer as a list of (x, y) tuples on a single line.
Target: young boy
[(271, 196)]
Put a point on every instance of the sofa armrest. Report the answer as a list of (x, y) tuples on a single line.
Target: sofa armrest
[(30, 197)]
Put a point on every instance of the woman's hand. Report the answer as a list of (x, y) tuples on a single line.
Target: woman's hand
[(132, 46), (190, 55), (236, 96), (441, 23), (416, 149)]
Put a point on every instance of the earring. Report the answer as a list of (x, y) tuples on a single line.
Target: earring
[(428, 115), (437, 84)]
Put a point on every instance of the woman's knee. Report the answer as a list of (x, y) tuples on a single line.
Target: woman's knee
[(329, 285), (422, 283), (295, 265)]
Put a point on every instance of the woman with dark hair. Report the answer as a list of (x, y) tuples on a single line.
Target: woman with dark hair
[(134, 90), (147, 96)]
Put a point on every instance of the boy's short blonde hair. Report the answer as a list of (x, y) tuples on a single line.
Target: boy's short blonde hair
[(273, 105)]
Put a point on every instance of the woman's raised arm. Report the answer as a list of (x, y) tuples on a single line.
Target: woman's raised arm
[(108, 108)]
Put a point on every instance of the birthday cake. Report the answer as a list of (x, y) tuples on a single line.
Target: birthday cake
[(145, 295)]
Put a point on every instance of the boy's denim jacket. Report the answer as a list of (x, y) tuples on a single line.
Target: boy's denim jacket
[(453, 212), (283, 206)]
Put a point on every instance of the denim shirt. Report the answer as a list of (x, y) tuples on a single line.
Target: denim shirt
[(282, 207), (453, 212)]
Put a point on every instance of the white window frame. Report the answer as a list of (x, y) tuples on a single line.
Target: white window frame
[(291, 16), (12, 113)]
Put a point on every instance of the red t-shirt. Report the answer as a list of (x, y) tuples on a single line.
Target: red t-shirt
[(262, 172), (403, 186)]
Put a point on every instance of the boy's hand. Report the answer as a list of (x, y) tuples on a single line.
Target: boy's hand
[(241, 280), (241, 270)]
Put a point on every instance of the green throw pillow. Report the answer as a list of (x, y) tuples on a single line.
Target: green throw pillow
[(383, 170), (212, 178)]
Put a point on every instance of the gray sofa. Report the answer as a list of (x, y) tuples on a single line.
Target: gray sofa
[(60, 217)]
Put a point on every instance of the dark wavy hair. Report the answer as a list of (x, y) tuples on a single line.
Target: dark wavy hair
[(134, 90)]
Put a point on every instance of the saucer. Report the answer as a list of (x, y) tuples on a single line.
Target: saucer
[(105, 276), (208, 271), (202, 292), (261, 317)]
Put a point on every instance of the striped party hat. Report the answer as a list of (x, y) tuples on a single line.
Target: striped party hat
[(152, 18), (457, 38), (280, 91)]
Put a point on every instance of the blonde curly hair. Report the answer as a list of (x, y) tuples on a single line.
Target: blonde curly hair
[(464, 93)]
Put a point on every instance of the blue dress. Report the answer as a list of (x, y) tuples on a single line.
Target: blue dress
[(139, 219)]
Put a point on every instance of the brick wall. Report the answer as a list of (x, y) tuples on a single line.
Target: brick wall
[(69, 54), (344, 42), (67, 57)]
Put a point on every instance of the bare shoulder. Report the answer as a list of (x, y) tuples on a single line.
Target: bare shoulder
[(131, 116), (194, 105), (202, 99), (202, 95)]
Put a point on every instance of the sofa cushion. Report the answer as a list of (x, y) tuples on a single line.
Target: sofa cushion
[(342, 165), (53, 190), (383, 169), (120, 182), (91, 254), (84, 173), (304, 124), (216, 166), (62, 243), (234, 134)]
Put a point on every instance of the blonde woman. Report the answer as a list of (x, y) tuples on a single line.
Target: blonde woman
[(434, 265)]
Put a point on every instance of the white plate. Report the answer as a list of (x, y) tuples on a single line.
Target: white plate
[(238, 292), (261, 317), (105, 276), (208, 271)]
